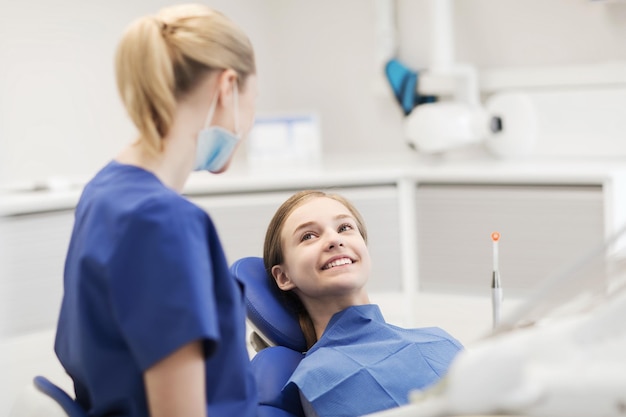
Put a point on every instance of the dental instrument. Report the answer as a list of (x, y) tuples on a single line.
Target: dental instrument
[(496, 287)]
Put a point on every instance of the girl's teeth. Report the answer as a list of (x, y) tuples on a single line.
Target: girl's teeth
[(338, 262)]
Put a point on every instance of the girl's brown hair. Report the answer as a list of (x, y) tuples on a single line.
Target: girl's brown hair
[(273, 250), (161, 58)]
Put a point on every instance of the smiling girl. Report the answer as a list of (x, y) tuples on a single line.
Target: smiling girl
[(316, 253)]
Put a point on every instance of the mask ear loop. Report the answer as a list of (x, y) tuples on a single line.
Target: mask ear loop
[(209, 117), (236, 102)]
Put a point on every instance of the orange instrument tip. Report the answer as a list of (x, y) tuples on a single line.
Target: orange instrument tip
[(495, 236)]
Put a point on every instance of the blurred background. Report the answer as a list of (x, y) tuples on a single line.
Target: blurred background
[(60, 115)]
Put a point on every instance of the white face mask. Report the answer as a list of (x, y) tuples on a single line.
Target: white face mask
[(217, 145)]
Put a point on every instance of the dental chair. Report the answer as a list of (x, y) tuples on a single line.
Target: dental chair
[(276, 337)]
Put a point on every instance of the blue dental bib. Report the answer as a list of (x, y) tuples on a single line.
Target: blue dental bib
[(362, 364)]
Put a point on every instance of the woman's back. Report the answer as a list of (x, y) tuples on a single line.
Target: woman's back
[(142, 278)]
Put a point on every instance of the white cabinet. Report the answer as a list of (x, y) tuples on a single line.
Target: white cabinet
[(543, 228), (32, 248)]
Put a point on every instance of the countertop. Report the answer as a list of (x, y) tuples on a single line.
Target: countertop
[(344, 170)]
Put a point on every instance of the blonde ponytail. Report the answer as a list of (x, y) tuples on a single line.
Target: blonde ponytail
[(145, 80), (161, 58)]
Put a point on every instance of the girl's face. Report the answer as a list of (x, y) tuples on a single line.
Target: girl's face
[(325, 256)]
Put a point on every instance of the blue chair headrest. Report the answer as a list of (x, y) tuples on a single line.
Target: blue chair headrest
[(266, 309)]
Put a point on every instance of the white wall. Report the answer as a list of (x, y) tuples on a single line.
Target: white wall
[(60, 115), (505, 33), (59, 110)]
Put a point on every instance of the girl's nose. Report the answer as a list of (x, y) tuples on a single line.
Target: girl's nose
[(334, 240)]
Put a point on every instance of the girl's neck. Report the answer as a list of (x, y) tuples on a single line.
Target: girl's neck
[(322, 310)]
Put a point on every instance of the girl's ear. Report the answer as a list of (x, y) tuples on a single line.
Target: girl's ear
[(282, 279)]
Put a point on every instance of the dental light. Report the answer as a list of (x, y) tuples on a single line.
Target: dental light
[(506, 125)]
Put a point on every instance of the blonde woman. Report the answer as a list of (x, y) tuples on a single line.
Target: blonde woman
[(151, 322), (316, 252)]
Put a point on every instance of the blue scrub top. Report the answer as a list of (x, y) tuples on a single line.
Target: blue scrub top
[(146, 274), (362, 364)]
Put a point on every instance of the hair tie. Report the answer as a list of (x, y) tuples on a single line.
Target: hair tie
[(166, 29)]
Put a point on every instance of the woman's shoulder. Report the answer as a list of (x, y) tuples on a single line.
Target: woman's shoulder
[(168, 210), (126, 208), (135, 192), (167, 202)]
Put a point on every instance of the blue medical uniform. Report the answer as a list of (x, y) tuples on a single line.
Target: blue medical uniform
[(145, 274), (362, 364)]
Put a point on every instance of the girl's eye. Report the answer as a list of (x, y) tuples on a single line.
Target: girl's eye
[(345, 227), (306, 236)]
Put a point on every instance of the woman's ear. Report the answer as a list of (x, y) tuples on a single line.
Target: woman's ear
[(226, 82), (282, 279)]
